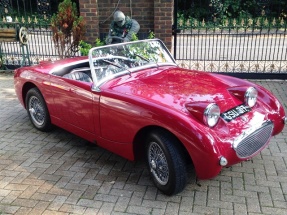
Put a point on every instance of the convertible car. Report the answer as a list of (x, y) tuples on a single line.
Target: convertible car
[(134, 100)]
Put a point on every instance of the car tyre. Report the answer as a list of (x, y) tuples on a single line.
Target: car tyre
[(166, 162), (37, 110)]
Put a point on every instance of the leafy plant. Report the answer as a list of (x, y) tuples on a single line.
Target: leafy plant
[(84, 48), (68, 29), (98, 42), (134, 37), (151, 35), (217, 11)]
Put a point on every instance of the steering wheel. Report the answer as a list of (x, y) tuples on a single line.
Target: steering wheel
[(115, 39)]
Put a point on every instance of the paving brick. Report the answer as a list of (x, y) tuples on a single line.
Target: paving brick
[(220, 204), (164, 198), (91, 211), (74, 197), (57, 203), (240, 209), (90, 203), (172, 208), (8, 209), (90, 192), (59, 173), (137, 198), (105, 188), (200, 198), (4, 192), (122, 204), (29, 192), (48, 212), (186, 204), (71, 208), (73, 186), (277, 211), (106, 208), (43, 197), (253, 205), (23, 211), (39, 208), (11, 197), (46, 187), (205, 210), (25, 202), (16, 187), (106, 198), (60, 192), (139, 210), (154, 204), (156, 211)]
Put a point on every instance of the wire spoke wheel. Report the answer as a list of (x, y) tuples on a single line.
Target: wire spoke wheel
[(36, 110), (165, 161), (158, 163)]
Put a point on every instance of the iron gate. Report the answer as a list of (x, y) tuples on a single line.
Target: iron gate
[(35, 16), (247, 48)]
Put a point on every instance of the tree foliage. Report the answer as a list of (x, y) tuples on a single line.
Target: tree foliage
[(226, 9), (68, 29)]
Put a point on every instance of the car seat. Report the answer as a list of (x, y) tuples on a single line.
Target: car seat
[(78, 75)]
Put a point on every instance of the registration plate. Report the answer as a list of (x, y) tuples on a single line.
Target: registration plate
[(235, 112)]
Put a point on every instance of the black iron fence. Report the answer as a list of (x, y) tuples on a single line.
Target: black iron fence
[(40, 46), (247, 48), (28, 8), (34, 16)]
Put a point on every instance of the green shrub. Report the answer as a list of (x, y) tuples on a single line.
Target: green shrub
[(85, 47), (68, 29)]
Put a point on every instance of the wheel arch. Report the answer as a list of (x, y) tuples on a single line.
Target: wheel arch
[(26, 87), (140, 137)]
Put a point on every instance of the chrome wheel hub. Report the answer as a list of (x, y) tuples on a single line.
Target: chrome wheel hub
[(158, 163), (36, 110), (153, 164)]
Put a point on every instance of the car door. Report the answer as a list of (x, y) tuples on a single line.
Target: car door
[(75, 103)]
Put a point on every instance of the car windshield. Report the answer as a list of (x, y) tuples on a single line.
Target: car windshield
[(108, 62)]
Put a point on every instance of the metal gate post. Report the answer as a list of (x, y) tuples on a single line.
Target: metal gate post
[(175, 28), (1, 56)]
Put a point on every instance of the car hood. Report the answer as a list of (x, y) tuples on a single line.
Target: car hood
[(174, 87)]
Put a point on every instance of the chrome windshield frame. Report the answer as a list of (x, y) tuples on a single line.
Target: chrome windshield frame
[(164, 54)]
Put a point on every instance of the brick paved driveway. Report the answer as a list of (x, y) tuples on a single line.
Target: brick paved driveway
[(59, 173)]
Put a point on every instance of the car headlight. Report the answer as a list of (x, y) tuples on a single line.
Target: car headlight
[(251, 96), (211, 114)]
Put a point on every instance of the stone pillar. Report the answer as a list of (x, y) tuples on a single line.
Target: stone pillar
[(163, 20), (89, 10)]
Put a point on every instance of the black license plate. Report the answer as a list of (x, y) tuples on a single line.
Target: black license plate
[(235, 112)]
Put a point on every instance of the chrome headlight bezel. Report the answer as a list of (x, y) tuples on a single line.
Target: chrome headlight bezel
[(211, 115), (250, 96)]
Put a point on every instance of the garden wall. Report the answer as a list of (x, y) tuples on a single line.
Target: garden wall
[(152, 15)]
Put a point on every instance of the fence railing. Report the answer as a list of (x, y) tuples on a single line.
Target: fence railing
[(40, 46), (238, 46), (245, 46)]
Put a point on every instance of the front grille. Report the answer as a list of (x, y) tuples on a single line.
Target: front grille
[(255, 141)]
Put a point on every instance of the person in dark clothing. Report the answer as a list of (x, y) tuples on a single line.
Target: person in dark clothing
[(123, 27)]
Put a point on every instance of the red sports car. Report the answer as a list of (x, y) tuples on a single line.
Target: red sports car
[(133, 99)]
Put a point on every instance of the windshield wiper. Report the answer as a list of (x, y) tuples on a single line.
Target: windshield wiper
[(141, 57), (112, 63), (116, 65)]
